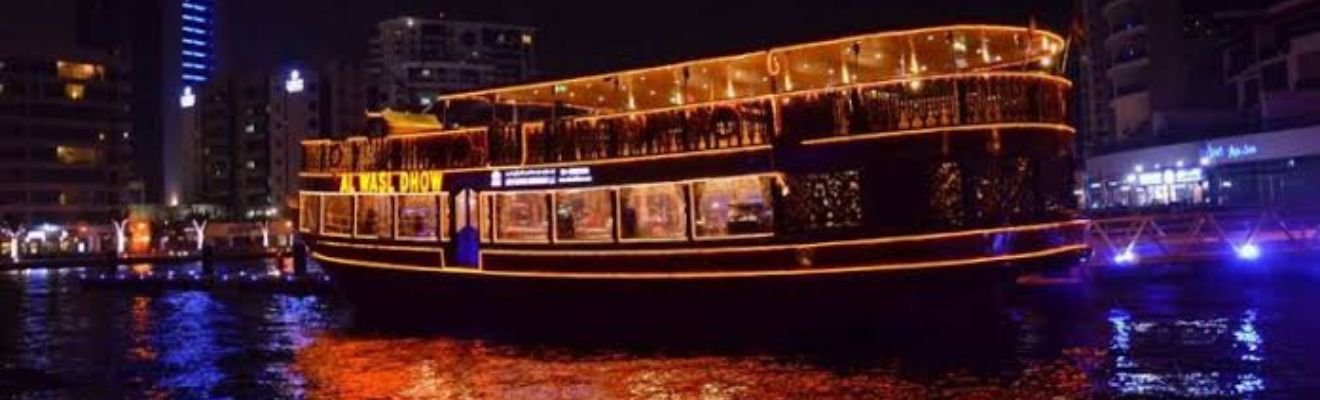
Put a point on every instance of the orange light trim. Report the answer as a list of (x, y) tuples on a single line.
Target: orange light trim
[(968, 27), (950, 129), (374, 264), (715, 275), (749, 99), (625, 160), (745, 249), (451, 132), (699, 238), (381, 247)]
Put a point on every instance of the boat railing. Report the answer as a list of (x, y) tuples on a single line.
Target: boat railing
[(907, 105)]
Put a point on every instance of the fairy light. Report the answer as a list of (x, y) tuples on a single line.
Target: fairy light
[(1061, 250)]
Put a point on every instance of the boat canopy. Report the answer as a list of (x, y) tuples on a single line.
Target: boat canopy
[(861, 59)]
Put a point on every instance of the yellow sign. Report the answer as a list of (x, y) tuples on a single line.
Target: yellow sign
[(391, 182)]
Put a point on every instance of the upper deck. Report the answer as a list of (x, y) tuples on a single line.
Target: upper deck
[(965, 77)]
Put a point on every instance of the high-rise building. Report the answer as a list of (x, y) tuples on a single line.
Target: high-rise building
[(410, 60), (66, 138), (66, 144), (190, 60), (1273, 66), (1152, 71), (197, 40), (1259, 149), (233, 122), (172, 47), (295, 115), (250, 126)]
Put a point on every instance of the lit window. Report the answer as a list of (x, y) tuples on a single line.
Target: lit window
[(584, 216), (418, 217), (733, 207), (374, 216), (653, 212), (75, 91), (527, 39), (78, 71), (338, 215), (75, 155), (309, 213), (523, 217)]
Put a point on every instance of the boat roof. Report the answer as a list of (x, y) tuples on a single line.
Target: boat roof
[(876, 57)]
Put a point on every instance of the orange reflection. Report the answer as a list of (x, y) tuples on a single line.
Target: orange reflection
[(341, 367), (140, 331)]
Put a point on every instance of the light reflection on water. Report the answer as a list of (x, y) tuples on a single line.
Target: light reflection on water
[(1126, 334), (1218, 378)]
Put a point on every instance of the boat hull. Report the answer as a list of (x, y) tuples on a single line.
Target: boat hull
[(704, 309)]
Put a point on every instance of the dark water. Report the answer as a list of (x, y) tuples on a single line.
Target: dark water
[(1227, 331)]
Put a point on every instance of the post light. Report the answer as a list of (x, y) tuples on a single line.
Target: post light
[(188, 99), (295, 84), (1127, 257), (199, 228), (1248, 252)]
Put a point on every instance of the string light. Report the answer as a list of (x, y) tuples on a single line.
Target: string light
[(1061, 250)]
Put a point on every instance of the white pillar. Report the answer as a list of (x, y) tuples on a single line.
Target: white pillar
[(200, 227), (121, 241)]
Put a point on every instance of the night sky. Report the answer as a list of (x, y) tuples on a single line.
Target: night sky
[(581, 36)]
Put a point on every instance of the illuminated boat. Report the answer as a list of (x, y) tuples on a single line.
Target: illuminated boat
[(941, 152)]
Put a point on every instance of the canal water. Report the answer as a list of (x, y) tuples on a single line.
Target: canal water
[(1206, 331)]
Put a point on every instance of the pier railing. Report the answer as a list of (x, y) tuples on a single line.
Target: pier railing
[(1202, 236)]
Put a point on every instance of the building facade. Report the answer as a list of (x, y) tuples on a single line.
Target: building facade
[(411, 60), (233, 121), (66, 144), (249, 127), (1267, 154), (1152, 71), (67, 138)]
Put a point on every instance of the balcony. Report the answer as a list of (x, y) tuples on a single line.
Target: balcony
[(1119, 35), (1113, 7), (1128, 63), (932, 104)]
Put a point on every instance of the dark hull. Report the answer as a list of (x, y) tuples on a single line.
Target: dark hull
[(700, 309)]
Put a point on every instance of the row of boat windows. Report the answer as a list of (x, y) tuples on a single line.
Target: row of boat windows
[(721, 208)]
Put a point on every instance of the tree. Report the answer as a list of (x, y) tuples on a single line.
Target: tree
[(119, 218), (14, 228), (199, 221)]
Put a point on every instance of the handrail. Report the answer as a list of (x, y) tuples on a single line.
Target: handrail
[(916, 104), (1202, 235)]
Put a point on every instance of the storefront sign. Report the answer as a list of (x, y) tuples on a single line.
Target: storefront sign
[(540, 177), (391, 182), (1229, 152)]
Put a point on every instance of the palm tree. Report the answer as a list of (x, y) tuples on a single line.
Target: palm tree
[(119, 218), (14, 228), (199, 221)]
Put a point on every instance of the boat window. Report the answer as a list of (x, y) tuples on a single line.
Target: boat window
[(733, 207), (419, 217), (655, 212), (522, 217), (374, 216), (584, 216), (338, 218), (309, 213)]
